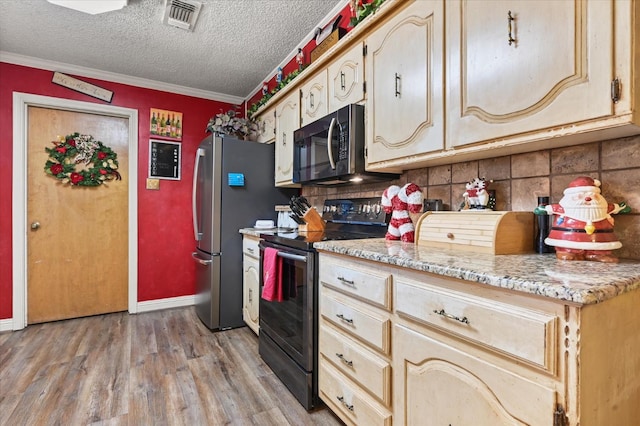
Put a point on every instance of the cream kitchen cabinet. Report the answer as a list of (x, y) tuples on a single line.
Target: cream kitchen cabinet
[(462, 353), (405, 101), (354, 341), (287, 121), (267, 125), (520, 72), (251, 282), (346, 78), (439, 373), (440, 385), (313, 98)]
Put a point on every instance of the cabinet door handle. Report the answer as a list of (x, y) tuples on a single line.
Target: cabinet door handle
[(343, 402), (343, 318), (284, 138), (249, 249), (342, 82), (344, 360), (250, 295), (311, 100), (510, 19), (397, 85), (443, 313), (346, 281)]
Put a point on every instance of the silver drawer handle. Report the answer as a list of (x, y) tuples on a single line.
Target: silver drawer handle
[(442, 312), (347, 406), (346, 281), (249, 249), (343, 359), (342, 317)]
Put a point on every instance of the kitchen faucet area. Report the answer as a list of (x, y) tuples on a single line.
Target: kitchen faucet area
[(329, 212)]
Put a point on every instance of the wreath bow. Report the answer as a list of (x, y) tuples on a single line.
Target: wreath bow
[(100, 160)]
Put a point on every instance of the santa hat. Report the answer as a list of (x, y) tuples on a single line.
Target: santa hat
[(583, 184)]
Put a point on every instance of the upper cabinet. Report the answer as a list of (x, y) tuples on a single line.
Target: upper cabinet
[(267, 126), (346, 78), (404, 107), (516, 67), (460, 80), (287, 121), (313, 96)]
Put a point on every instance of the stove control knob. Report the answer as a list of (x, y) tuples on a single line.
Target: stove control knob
[(377, 209)]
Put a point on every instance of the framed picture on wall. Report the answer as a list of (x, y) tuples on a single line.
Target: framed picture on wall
[(164, 159), (166, 124)]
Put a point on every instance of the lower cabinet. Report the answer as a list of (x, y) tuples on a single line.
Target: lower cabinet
[(414, 348), (251, 282), (449, 387)]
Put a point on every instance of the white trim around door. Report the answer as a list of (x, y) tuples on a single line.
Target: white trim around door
[(21, 102)]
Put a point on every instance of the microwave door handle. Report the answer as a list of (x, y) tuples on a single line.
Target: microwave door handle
[(196, 231), (329, 138)]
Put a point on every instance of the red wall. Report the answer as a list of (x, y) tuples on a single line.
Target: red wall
[(165, 232)]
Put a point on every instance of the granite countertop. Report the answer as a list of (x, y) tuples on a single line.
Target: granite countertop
[(581, 282), (257, 231)]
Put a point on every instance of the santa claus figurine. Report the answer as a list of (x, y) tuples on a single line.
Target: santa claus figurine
[(583, 227)]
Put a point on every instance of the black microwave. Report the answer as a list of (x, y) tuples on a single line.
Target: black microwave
[(330, 150)]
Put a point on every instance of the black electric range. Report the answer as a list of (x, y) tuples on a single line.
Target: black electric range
[(346, 219), (288, 337)]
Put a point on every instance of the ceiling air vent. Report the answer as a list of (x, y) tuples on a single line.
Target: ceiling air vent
[(181, 13)]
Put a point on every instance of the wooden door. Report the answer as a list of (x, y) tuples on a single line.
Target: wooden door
[(77, 243), (521, 66), (404, 69)]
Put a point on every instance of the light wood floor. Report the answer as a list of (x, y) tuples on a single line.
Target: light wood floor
[(157, 368)]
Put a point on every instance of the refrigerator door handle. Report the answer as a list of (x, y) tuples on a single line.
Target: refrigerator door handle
[(203, 261), (196, 231)]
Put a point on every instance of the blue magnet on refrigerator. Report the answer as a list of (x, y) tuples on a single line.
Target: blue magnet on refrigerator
[(236, 179)]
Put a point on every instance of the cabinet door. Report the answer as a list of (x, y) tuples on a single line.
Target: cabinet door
[(287, 121), (346, 79), (550, 65), (314, 98), (404, 68), (267, 126), (438, 385), (250, 292)]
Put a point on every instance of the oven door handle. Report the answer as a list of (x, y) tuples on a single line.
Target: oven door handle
[(292, 256)]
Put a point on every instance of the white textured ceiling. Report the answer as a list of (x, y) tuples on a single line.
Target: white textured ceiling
[(235, 44)]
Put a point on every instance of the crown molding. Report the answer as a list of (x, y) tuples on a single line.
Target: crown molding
[(45, 64)]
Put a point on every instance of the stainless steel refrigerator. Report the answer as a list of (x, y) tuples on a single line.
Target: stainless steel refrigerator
[(233, 186)]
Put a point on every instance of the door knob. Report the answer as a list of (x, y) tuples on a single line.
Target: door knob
[(35, 225)]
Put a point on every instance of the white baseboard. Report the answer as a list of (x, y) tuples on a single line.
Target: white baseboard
[(147, 306), (6, 324), (171, 302)]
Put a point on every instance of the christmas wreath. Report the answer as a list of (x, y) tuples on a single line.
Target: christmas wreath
[(100, 161)]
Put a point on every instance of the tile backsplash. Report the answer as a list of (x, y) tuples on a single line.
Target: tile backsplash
[(519, 179)]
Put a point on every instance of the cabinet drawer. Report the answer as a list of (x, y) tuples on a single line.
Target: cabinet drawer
[(370, 328), (250, 247), (358, 363), (351, 404), (361, 282), (526, 334)]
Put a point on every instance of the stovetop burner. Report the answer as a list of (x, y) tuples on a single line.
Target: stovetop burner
[(346, 219)]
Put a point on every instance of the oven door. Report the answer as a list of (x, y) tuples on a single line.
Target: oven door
[(290, 323)]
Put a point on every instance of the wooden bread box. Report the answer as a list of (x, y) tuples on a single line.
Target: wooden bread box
[(481, 231)]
